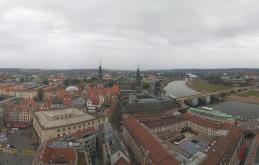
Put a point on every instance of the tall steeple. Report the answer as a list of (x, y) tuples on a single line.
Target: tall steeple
[(138, 80), (100, 72)]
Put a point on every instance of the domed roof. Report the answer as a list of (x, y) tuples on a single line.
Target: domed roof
[(72, 89)]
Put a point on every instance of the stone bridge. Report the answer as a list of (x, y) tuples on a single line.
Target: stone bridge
[(206, 97)]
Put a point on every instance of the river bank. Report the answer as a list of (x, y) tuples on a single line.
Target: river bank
[(190, 85), (212, 87), (204, 87), (249, 99)]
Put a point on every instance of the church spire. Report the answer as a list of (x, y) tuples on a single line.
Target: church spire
[(138, 80), (100, 72)]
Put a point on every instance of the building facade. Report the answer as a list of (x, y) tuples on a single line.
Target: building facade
[(57, 123)]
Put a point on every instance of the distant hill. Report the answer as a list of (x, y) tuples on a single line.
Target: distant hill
[(82, 71)]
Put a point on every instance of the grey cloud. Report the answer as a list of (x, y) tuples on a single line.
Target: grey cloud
[(153, 34)]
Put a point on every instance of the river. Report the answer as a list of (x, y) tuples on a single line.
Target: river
[(235, 108), (179, 89)]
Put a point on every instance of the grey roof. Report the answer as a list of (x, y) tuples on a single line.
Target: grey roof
[(115, 144), (79, 102), (60, 144), (192, 146), (150, 106), (189, 149)]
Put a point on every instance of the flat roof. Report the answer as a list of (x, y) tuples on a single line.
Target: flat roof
[(194, 145), (55, 118)]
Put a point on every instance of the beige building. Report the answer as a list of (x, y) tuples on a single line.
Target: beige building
[(57, 123), (19, 93)]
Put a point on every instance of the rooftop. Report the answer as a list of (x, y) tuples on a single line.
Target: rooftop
[(151, 106), (54, 155), (157, 153), (211, 112), (115, 144), (58, 118), (185, 117), (224, 145)]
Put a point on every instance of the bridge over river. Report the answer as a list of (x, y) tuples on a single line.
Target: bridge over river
[(206, 97)]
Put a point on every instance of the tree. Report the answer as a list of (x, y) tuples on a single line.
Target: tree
[(146, 85), (22, 79), (45, 82), (35, 99), (75, 82), (40, 94), (66, 82)]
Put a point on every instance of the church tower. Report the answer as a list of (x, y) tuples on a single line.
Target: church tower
[(138, 81), (100, 71)]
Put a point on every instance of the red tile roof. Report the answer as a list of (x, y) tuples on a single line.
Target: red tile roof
[(202, 121), (122, 161), (54, 155), (79, 134), (224, 145), (93, 93), (157, 153)]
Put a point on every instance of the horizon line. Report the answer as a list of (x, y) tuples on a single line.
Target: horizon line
[(154, 69)]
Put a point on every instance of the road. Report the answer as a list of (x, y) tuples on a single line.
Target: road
[(24, 152)]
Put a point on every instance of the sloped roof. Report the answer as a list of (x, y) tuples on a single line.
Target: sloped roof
[(150, 106), (157, 153)]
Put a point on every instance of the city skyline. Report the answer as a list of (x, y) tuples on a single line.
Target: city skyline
[(154, 35)]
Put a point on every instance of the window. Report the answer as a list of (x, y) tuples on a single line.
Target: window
[(64, 129), (58, 130)]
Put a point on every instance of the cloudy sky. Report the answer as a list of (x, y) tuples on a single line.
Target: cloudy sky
[(155, 34)]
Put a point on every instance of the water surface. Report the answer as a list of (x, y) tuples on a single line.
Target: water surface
[(179, 89), (237, 108)]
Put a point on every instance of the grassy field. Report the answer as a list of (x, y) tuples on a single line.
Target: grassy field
[(204, 86), (251, 93)]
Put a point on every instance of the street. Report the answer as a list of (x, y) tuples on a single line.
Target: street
[(23, 152)]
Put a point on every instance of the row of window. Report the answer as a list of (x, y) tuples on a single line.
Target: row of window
[(79, 125)]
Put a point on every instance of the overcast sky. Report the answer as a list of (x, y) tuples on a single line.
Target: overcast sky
[(155, 34)]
